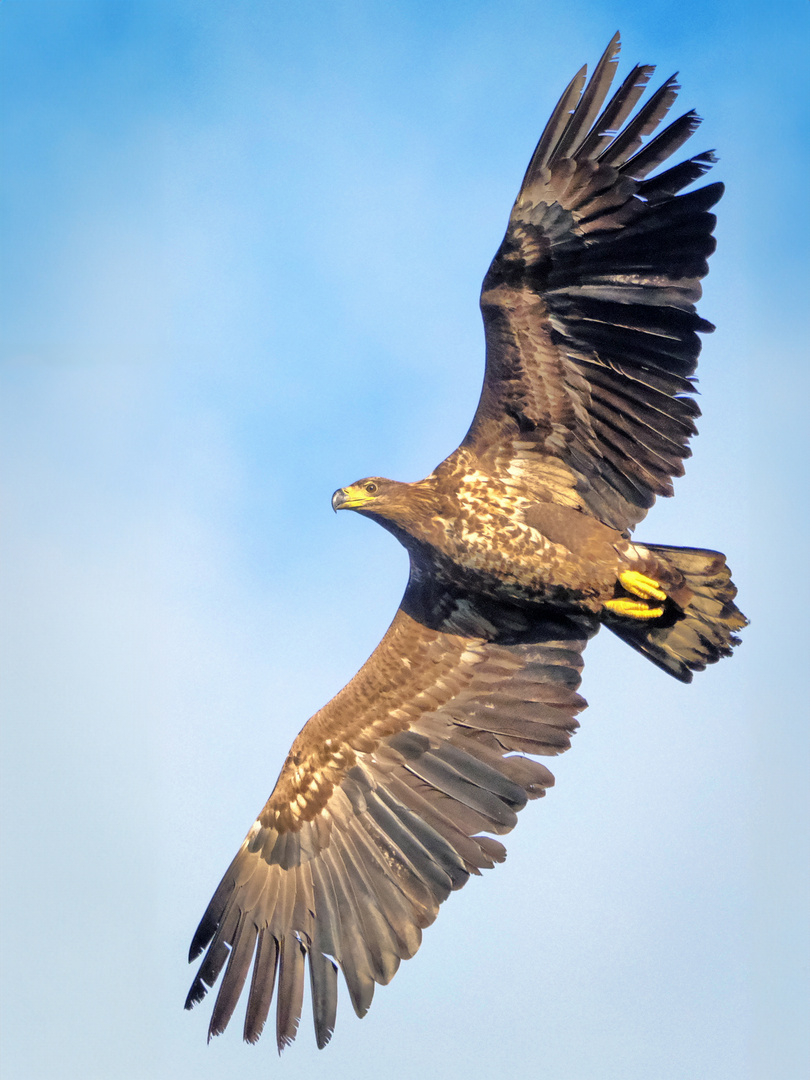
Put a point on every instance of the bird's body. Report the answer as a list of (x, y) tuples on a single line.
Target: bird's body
[(520, 548), (488, 535)]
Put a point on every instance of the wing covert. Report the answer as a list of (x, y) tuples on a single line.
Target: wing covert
[(589, 304)]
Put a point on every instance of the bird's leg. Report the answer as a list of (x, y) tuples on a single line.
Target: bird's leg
[(642, 586)]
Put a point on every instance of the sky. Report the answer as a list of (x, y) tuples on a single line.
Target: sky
[(242, 245)]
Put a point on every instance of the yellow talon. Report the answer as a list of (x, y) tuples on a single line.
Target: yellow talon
[(634, 609), (641, 585)]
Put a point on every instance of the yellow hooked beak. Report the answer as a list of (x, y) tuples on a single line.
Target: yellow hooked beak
[(351, 498)]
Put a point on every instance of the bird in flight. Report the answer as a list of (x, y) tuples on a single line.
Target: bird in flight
[(520, 549)]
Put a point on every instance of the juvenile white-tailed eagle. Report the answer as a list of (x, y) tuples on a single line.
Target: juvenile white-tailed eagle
[(520, 549)]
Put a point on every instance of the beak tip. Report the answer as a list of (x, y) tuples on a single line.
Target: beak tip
[(338, 499)]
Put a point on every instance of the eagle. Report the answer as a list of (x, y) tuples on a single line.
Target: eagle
[(520, 547)]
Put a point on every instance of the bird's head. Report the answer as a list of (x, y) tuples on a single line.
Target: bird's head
[(394, 505), (371, 495)]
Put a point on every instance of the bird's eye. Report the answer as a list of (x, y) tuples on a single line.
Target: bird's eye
[(371, 488)]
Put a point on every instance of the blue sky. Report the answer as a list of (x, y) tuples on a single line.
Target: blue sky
[(242, 249)]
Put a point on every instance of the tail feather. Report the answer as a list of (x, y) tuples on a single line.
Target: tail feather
[(699, 630)]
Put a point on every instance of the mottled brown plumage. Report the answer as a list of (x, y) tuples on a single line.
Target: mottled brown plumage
[(519, 549)]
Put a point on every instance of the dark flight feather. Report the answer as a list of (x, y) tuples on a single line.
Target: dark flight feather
[(589, 103), (261, 986)]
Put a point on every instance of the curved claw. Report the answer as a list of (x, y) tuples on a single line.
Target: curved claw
[(641, 585)]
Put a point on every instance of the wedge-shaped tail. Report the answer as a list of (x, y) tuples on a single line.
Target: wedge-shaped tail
[(687, 638)]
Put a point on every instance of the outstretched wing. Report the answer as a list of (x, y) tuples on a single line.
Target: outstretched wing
[(383, 804), (588, 305)]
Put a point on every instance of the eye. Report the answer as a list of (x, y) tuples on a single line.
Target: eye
[(371, 488)]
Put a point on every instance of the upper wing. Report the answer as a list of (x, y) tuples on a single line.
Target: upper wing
[(588, 305), (378, 811)]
